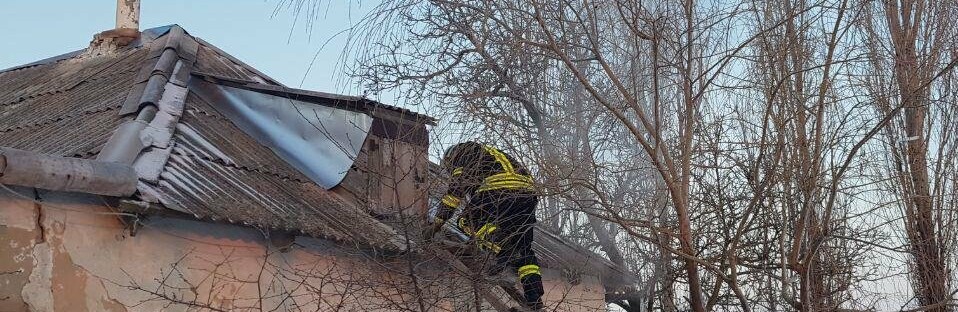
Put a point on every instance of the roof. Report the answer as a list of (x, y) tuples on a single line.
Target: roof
[(71, 104), (43, 106)]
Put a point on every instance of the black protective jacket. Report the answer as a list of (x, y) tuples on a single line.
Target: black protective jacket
[(501, 211)]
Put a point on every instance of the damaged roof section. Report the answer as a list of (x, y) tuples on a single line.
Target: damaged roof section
[(215, 169), (193, 158), (218, 172), (298, 132)]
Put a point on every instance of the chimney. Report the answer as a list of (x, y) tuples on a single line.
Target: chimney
[(127, 29), (128, 14)]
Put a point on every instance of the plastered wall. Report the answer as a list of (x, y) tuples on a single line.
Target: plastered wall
[(73, 253), (388, 177)]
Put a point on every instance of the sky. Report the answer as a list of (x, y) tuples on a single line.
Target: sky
[(264, 34)]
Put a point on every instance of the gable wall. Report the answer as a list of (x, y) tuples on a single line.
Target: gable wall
[(388, 177), (72, 253)]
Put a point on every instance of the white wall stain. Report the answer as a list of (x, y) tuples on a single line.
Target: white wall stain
[(38, 292)]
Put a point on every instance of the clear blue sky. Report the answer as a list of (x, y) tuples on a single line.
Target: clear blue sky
[(252, 30)]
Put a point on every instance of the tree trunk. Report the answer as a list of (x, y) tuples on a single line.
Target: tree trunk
[(930, 274)]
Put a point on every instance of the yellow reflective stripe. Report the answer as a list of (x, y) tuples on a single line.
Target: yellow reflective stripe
[(495, 248), (517, 182), (457, 171), (500, 158), (506, 181), (493, 188), (465, 228), (485, 230), (451, 201), (509, 181), (508, 177), (505, 185), (481, 234), (529, 269)]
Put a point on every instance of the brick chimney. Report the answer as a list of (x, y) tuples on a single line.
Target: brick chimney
[(127, 29)]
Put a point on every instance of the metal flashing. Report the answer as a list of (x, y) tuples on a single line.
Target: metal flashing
[(320, 142), (350, 102)]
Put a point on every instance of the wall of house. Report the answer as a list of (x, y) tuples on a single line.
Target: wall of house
[(73, 253), (388, 177)]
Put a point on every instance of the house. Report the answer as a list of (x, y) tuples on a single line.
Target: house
[(153, 171)]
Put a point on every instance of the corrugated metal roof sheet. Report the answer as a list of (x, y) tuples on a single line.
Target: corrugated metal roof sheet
[(218, 172), (211, 190), (64, 76), (242, 150), (209, 61), (79, 136)]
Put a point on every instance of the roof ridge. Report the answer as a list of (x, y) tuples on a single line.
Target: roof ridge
[(237, 61), (168, 49), (153, 105), (50, 60)]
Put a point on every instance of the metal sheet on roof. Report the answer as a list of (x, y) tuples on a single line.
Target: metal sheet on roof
[(320, 142), (218, 172)]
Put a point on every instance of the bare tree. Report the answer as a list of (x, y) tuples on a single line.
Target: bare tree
[(723, 150), (913, 45)]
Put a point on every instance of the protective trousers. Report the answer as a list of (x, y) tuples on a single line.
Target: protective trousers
[(502, 222)]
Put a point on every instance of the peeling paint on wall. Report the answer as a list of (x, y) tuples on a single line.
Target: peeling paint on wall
[(38, 293)]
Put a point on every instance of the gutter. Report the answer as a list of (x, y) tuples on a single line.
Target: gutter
[(57, 173)]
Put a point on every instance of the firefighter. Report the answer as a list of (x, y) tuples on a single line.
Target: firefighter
[(501, 209)]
